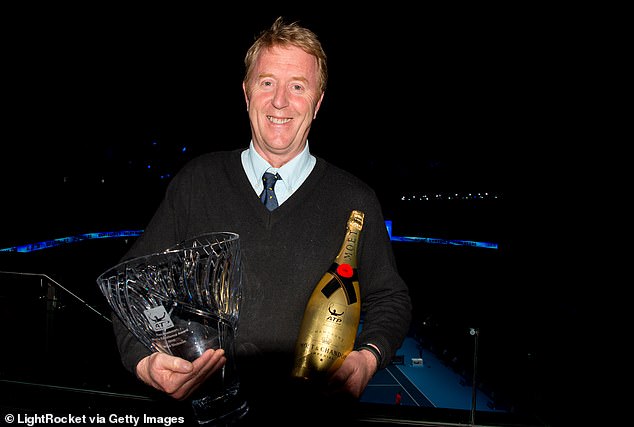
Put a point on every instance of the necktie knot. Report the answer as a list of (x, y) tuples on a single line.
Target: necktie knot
[(268, 194)]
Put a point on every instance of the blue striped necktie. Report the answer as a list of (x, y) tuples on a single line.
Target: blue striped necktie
[(268, 194)]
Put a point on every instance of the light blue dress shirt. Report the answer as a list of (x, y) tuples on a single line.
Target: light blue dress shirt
[(293, 173)]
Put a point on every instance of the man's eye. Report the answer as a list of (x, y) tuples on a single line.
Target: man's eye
[(298, 87), (267, 84)]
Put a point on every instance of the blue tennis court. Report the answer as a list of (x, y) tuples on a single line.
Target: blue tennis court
[(427, 384)]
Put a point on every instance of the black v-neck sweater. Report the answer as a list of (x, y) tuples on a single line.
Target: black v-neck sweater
[(212, 193)]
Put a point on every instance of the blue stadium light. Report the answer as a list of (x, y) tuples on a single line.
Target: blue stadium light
[(436, 241), (31, 247), (388, 224), (449, 242)]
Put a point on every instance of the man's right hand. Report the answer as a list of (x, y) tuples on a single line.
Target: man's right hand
[(177, 377)]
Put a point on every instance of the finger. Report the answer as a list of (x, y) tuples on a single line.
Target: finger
[(169, 373), (179, 378), (177, 364), (204, 366), (208, 363), (341, 375), (165, 362), (209, 357)]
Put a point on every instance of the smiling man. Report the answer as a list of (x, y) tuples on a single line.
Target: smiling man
[(283, 93), (286, 246)]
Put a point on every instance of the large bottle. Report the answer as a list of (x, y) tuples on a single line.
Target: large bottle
[(331, 318)]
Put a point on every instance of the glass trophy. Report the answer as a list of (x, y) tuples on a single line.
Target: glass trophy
[(183, 301)]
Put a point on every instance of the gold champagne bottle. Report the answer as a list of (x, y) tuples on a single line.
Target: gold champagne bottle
[(331, 318)]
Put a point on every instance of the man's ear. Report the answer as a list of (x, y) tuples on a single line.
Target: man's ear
[(246, 97), (321, 98)]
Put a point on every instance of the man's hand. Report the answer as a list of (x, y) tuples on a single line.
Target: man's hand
[(177, 377), (354, 374)]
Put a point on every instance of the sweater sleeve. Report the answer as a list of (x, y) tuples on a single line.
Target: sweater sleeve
[(159, 234), (130, 348), (386, 304)]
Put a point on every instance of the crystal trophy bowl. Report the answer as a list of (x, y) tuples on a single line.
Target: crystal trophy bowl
[(183, 301)]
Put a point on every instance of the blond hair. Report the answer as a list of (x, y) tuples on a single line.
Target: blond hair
[(293, 34)]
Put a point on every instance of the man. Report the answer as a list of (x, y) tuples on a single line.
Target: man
[(285, 250)]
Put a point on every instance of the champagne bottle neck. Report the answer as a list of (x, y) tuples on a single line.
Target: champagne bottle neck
[(348, 252)]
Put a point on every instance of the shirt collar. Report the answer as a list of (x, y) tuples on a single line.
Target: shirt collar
[(293, 173)]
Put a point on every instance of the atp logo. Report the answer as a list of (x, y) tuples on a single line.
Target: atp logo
[(336, 311), (158, 318)]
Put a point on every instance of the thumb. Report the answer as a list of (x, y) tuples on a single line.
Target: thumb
[(181, 365)]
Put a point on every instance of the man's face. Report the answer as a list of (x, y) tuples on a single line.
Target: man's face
[(282, 99)]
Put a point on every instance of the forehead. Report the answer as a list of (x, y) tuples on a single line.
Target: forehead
[(284, 61)]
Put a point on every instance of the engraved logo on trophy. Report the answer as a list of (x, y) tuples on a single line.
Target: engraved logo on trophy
[(159, 319)]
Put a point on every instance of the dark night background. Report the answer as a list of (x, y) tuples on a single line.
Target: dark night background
[(433, 101)]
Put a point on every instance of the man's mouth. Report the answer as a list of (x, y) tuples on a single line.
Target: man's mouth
[(277, 121)]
